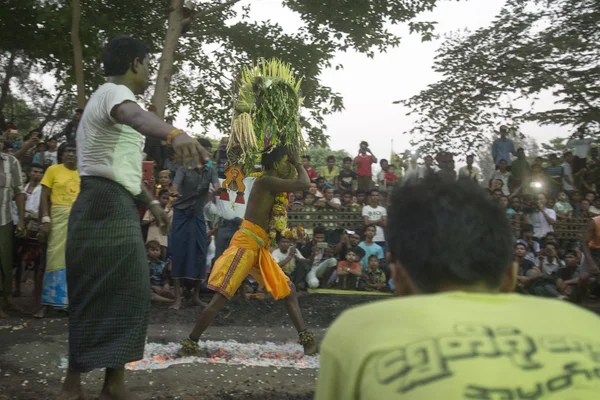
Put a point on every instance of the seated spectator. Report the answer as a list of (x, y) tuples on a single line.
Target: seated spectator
[(590, 196), (569, 281), (348, 271), (329, 172), (349, 240), (503, 201), (497, 194), (549, 264), (288, 257), (528, 272), (347, 179), (309, 199), (361, 197), (320, 187), (390, 179), (374, 279), (329, 201), (550, 203), (564, 210), (370, 247), (585, 209), (533, 247), (312, 174), (399, 348), (319, 257), (347, 199), (159, 273)]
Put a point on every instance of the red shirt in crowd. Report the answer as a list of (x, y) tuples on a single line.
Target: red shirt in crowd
[(389, 177), (363, 165), (312, 174)]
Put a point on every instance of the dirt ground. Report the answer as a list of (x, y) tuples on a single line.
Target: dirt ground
[(31, 352)]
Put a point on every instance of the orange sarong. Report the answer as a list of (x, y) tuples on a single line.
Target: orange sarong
[(248, 253)]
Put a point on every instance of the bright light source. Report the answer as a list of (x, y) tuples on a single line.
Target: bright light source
[(537, 184)]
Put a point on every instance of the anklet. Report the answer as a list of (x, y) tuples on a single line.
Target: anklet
[(305, 337)]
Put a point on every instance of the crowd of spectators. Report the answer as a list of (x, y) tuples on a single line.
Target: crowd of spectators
[(536, 194)]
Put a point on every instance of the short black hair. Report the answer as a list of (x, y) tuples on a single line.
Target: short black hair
[(269, 159), (373, 256), (571, 253), (61, 149), (153, 244), (79, 111), (369, 226), (36, 165), (330, 158), (119, 54), (448, 233), (360, 191), (373, 191), (382, 161), (365, 143), (306, 156), (470, 156), (347, 159), (205, 143), (319, 230)]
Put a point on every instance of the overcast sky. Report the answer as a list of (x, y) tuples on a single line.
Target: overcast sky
[(369, 86)]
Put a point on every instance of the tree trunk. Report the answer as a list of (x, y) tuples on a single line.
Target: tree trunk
[(165, 68), (176, 22), (77, 53), (5, 86)]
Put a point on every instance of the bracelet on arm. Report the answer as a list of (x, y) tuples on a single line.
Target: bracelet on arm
[(173, 133), (46, 220), (154, 203)]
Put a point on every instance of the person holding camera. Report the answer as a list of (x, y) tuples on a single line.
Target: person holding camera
[(541, 218)]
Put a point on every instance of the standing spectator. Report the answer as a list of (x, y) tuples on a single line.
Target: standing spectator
[(448, 173), (312, 174), (370, 247), (502, 148), (155, 234), (60, 187), (543, 219), (221, 157), (384, 164), (585, 209), (14, 138), (519, 171), (189, 236), (70, 130), (581, 148), (329, 172), (555, 172), (364, 161), (390, 179), (347, 179), (576, 203), (170, 163), (568, 184), (503, 174), (48, 157), (469, 171), (11, 188), (374, 214), (428, 169)]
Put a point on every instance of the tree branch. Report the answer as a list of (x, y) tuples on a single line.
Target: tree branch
[(50, 112), (211, 10), (9, 73)]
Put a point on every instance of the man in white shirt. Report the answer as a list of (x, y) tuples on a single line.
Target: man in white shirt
[(107, 270), (374, 214), (33, 191), (469, 171), (503, 174), (543, 219), (286, 254)]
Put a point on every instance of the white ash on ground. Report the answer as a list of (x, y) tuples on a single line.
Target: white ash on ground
[(160, 356)]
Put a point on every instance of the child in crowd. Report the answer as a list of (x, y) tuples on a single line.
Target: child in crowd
[(563, 208), (154, 233), (348, 271), (390, 179), (159, 273), (374, 279), (309, 199), (164, 182)]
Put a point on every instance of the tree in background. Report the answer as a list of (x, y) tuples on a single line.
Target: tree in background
[(318, 156), (556, 146), (483, 155), (531, 48), (203, 44)]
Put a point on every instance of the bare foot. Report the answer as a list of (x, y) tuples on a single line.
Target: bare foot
[(176, 305), (160, 299), (311, 348), (41, 313), (72, 389), (117, 394), (199, 302)]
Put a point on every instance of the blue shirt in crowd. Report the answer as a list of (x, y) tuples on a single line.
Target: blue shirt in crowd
[(373, 249), (502, 149)]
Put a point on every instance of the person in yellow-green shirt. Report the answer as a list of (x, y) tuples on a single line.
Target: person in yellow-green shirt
[(60, 187), (457, 331), (330, 172)]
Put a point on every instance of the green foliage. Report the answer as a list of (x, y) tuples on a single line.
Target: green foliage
[(556, 146), (318, 156), (531, 47), (213, 48)]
